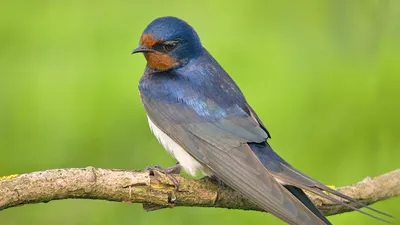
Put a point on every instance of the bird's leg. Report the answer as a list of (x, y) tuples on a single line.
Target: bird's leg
[(169, 171), (175, 169)]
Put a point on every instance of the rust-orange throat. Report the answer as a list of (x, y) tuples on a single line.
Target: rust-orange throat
[(155, 59)]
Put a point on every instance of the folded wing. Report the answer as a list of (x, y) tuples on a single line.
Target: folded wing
[(221, 145)]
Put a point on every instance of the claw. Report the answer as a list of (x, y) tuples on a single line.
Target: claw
[(175, 169)]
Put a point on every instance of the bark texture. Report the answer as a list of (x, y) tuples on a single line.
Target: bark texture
[(156, 190)]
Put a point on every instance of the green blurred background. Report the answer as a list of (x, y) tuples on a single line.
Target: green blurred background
[(324, 77)]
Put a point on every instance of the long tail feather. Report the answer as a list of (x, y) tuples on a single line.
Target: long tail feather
[(299, 194), (322, 194), (334, 192)]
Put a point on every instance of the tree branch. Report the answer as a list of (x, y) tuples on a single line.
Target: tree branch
[(158, 190)]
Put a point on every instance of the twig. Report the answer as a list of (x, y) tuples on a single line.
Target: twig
[(157, 191)]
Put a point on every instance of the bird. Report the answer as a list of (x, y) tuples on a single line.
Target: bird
[(201, 117)]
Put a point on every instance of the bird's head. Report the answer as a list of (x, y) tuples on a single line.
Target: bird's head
[(168, 42)]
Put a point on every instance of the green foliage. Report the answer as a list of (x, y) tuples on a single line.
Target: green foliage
[(323, 77)]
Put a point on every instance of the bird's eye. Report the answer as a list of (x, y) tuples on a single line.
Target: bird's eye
[(170, 45), (165, 47)]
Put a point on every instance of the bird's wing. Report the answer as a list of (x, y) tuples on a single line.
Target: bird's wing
[(221, 146)]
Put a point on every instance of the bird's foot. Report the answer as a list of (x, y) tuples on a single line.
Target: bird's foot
[(216, 180), (169, 171), (219, 182)]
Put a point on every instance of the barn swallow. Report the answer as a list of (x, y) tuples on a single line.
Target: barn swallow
[(200, 116)]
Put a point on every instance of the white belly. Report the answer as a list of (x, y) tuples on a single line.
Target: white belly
[(189, 164)]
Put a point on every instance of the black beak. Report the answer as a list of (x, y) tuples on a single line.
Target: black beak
[(142, 48)]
